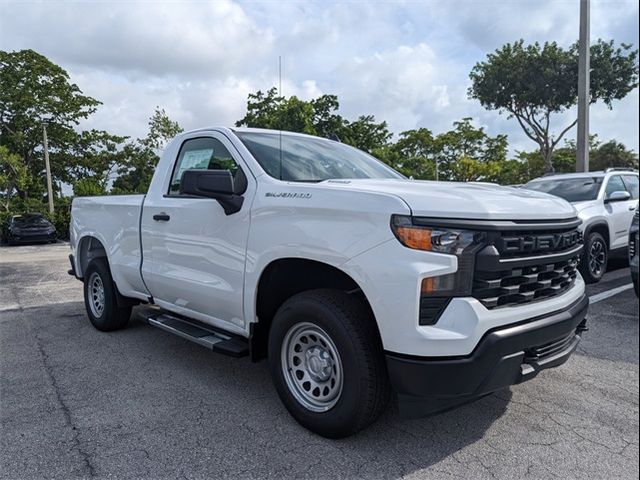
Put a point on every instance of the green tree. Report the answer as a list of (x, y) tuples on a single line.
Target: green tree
[(326, 122), (13, 176), (531, 83), (88, 187), (366, 134), (137, 161), (314, 117), (161, 130), (262, 110), (35, 91), (464, 153), (612, 154), (602, 156), (465, 141), (415, 154), (92, 161)]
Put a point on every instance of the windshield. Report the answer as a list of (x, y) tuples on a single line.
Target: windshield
[(571, 189), (309, 159), (30, 220)]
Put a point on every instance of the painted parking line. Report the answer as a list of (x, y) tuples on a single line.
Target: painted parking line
[(609, 293)]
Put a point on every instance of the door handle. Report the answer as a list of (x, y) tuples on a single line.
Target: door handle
[(632, 207), (161, 217)]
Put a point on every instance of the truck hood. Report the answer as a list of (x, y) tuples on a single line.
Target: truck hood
[(483, 201)]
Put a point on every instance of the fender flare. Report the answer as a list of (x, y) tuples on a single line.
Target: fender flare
[(599, 223)]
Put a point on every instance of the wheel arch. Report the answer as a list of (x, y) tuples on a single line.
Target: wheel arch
[(284, 277), (600, 227), (89, 248)]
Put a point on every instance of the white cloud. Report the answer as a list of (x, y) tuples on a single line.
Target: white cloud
[(397, 85), (405, 62), (145, 38)]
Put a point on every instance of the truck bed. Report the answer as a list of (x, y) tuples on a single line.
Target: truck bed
[(115, 221)]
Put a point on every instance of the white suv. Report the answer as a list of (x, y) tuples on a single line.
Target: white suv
[(605, 202)]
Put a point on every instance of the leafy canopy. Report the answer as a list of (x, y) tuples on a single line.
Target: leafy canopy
[(137, 160), (465, 153), (36, 92), (531, 83), (314, 117)]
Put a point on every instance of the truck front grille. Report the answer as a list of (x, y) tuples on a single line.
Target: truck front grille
[(525, 284), (522, 267)]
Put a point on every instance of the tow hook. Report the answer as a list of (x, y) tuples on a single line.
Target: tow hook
[(582, 327)]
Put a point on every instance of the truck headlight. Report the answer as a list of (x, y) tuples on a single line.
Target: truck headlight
[(453, 241), (433, 238)]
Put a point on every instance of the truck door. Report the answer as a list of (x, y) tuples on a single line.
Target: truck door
[(194, 251)]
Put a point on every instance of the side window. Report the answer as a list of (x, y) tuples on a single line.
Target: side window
[(631, 181), (201, 153), (615, 184)]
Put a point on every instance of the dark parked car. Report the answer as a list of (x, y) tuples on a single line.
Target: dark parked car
[(30, 228), (633, 251)]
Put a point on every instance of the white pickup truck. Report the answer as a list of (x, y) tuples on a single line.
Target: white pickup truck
[(352, 280)]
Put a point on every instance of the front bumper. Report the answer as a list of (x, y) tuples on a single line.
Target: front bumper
[(32, 237), (504, 356)]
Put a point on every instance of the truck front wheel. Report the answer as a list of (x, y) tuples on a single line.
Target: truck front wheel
[(100, 298), (327, 363)]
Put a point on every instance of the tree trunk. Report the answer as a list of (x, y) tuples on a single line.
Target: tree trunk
[(548, 163)]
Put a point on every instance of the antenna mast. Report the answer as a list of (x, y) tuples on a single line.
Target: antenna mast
[(280, 95)]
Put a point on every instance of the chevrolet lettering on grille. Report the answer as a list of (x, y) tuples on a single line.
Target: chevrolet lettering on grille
[(540, 243)]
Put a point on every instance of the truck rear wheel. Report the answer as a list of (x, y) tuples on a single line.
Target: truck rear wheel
[(100, 298), (327, 363)]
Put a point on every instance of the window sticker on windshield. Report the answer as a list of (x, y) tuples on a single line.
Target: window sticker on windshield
[(196, 159)]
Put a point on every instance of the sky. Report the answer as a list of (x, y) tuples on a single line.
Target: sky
[(406, 62)]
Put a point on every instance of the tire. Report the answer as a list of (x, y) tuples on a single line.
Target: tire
[(636, 286), (593, 263), (103, 310), (342, 336)]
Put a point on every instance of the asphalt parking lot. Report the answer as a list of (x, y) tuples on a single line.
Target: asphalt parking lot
[(141, 403)]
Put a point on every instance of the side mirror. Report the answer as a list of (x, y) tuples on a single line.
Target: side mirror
[(618, 196), (216, 184)]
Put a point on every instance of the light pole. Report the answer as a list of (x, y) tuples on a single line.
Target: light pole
[(47, 167), (582, 160)]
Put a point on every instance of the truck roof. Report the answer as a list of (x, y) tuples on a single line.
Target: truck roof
[(253, 130), (597, 174)]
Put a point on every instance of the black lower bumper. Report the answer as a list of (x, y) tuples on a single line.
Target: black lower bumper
[(505, 356)]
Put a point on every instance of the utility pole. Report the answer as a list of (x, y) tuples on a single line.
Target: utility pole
[(584, 98), (47, 167)]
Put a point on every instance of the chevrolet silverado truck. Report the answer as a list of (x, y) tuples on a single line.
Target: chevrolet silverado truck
[(354, 282)]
